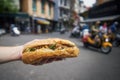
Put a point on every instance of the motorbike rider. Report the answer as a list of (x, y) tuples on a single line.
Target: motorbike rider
[(95, 31), (112, 31), (103, 29), (113, 27)]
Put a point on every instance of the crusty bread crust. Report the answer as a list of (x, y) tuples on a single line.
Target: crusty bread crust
[(35, 57), (49, 41)]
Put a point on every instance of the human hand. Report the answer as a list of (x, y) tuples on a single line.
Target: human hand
[(46, 61), (14, 53)]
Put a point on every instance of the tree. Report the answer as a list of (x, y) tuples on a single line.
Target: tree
[(8, 6)]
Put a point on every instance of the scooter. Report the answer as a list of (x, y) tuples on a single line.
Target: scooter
[(62, 30), (116, 42), (75, 33), (15, 31), (100, 43)]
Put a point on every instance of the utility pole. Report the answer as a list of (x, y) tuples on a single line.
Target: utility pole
[(74, 17), (72, 3)]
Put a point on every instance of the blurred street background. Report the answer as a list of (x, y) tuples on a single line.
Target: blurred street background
[(24, 20)]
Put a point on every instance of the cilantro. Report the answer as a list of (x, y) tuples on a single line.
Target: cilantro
[(53, 46)]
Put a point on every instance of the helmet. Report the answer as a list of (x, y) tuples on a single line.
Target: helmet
[(116, 23), (98, 22)]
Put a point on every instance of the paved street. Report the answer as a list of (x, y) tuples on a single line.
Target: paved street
[(90, 65)]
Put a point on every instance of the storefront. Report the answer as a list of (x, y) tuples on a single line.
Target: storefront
[(19, 19), (22, 21), (41, 25)]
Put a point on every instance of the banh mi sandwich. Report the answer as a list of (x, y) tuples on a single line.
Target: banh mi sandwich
[(50, 48)]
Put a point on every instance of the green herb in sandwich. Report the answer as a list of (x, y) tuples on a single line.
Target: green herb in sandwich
[(53, 46)]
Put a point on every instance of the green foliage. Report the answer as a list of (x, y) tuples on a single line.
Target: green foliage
[(8, 6)]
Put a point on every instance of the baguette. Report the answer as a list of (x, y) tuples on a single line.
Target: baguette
[(52, 48)]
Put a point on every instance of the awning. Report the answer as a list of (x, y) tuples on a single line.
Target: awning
[(103, 18), (20, 14), (42, 21)]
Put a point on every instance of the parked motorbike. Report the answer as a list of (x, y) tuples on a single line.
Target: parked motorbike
[(100, 43), (62, 30), (75, 33), (116, 42), (15, 31)]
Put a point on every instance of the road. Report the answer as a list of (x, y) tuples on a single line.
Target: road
[(89, 65)]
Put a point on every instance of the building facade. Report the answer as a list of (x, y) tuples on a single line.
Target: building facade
[(98, 2), (41, 13), (63, 11), (38, 8), (80, 8)]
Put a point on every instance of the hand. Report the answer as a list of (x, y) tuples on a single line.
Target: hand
[(46, 61), (13, 53)]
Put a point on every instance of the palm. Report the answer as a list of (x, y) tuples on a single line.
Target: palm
[(7, 6)]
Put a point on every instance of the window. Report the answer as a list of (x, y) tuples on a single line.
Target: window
[(61, 12), (61, 2), (50, 6), (65, 12), (34, 5), (43, 6), (65, 2)]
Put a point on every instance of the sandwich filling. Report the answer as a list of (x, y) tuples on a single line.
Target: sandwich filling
[(52, 47)]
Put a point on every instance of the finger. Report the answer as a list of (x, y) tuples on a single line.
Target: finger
[(50, 60), (45, 61), (58, 59)]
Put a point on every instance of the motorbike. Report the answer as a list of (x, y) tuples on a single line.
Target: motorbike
[(116, 41), (15, 31), (62, 30), (75, 33), (101, 43)]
